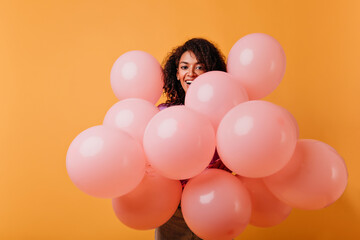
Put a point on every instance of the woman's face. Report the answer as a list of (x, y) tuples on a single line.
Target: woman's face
[(189, 68)]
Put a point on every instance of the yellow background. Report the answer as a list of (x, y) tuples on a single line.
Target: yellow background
[(55, 61)]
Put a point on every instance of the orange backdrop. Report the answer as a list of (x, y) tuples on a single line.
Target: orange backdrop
[(55, 61)]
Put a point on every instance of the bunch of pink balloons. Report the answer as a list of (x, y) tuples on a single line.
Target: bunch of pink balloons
[(108, 161), (139, 154)]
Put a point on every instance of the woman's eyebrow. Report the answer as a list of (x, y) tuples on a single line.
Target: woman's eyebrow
[(188, 63)]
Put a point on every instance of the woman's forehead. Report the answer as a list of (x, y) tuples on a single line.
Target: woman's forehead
[(188, 57)]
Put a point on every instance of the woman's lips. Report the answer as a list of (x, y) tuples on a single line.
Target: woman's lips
[(188, 82)]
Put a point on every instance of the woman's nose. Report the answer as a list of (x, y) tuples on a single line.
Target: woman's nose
[(191, 72)]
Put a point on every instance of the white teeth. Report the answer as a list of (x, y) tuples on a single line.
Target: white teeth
[(188, 82)]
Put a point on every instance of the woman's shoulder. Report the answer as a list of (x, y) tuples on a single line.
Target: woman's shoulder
[(163, 106)]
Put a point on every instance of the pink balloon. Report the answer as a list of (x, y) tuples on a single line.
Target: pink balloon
[(315, 177), (293, 119), (256, 139), (179, 142), (258, 62), (105, 163), (267, 210), (216, 205), (137, 74), (151, 204), (131, 115), (213, 94)]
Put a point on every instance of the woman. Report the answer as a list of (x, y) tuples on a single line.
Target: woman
[(182, 66)]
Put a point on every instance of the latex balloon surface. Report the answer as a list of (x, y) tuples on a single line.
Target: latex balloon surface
[(256, 138), (315, 177), (179, 142), (258, 62), (296, 126), (131, 115), (105, 163), (216, 205), (213, 94), (150, 204), (267, 210), (137, 74)]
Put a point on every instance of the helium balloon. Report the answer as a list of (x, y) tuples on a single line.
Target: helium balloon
[(267, 210), (137, 74), (150, 204), (258, 62), (315, 177), (131, 116), (105, 163), (256, 139), (294, 122), (216, 205), (179, 143), (213, 94)]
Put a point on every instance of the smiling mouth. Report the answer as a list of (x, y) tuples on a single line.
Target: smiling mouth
[(188, 82)]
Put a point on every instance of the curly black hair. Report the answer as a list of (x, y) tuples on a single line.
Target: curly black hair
[(205, 52)]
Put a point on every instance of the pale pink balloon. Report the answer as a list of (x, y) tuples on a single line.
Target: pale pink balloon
[(150, 204), (216, 205), (137, 74), (315, 177), (179, 142), (213, 94), (267, 210), (258, 62), (256, 139), (131, 115), (296, 126), (104, 162)]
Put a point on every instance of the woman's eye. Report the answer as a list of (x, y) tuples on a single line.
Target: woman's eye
[(200, 68), (184, 67)]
